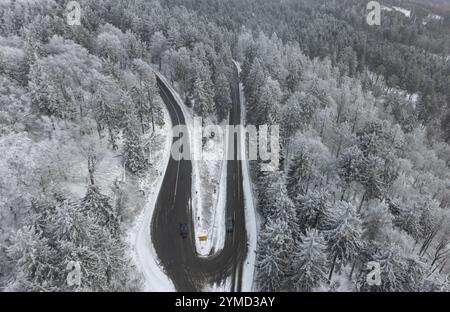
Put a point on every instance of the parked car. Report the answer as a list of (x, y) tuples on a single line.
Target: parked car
[(184, 230)]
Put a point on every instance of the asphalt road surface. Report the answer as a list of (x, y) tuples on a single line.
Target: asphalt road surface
[(178, 255)]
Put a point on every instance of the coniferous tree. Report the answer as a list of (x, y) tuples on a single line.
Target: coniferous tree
[(203, 93), (311, 209), (273, 255), (101, 208), (310, 261), (146, 96), (134, 157), (399, 271), (35, 262), (299, 174), (222, 97), (253, 86), (342, 228)]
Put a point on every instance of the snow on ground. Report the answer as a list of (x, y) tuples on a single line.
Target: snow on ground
[(431, 17), (250, 212), (210, 216), (404, 11), (410, 97), (68, 156), (340, 282), (144, 254)]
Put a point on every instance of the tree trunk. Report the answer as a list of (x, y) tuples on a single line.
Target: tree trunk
[(91, 169), (81, 110), (343, 193), (362, 201), (353, 268), (316, 222), (153, 119), (355, 121), (332, 268), (141, 118), (339, 148), (322, 129), (99, 131)]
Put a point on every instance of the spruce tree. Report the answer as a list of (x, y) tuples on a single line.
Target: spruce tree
[(274, 248), (343, 231), (310, 261), (311, 209), (99, 205), (222, 96), (34, 261), (134, 157), (203, 96), (298, 174)]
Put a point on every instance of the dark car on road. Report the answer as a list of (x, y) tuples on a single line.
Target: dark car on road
[(230, 225), (183, 230)]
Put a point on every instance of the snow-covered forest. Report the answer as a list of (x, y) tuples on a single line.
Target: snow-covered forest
[(79, 112), (364, 115)]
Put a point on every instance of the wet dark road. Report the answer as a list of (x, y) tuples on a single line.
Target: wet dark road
[(178, 256)]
